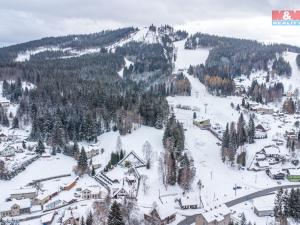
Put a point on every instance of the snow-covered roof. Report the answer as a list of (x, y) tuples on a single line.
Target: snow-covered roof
[(275, 171), (135, 156), (24, 203), (265, 203), (260, 156), (263, 163), (271, 150), (93, 189), (163, 212), (24, 191), (43, 195), (35, 208), (216, 213), (294, 172), (47, 218), (189, 201)]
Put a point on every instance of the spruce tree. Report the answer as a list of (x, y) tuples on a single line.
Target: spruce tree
[(82, 221), (93, 173), (278, 209), (243, 220), (15, 123), (251, 130), (75, 150), (89, 219), (82, 161), (225, 143), (241, 134), (115, 216), (53, 152), (40, 148)]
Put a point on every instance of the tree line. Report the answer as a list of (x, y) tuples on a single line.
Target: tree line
[(176, 166), (235, 136), (231, 57), (287, 205), (265, 94)]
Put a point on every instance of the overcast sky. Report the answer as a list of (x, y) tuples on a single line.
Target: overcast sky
[(24, 20)]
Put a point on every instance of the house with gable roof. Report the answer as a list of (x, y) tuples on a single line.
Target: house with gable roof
[(133, 160)]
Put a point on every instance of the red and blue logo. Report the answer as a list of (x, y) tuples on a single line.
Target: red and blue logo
[(286, 17)]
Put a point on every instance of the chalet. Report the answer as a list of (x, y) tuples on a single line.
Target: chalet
[(5, 104), (218, 215), (264, 206), (3, 137), (15, 208), (290, 134), (24, 193), (47, 219), (41, 199), (260, 128), (271, 151), (293, 175), (239, 89), (120, 193), (133, 160), (8, 151), (275, 174), (156, 217), (92, 193), (204, 124), (260, 135)]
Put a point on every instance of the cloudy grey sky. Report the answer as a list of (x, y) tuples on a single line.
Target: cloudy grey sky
[(24, 20)]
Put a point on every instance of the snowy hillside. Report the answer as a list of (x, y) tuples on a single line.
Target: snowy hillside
[(82, 176), (143, 34)]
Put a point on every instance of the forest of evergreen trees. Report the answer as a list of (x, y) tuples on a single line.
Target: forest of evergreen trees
[(216, 85), (82, 41), (287, 205), (235, 136), (289, 106), (79, 98), (281, 67), (178, 166), (231, 57)]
